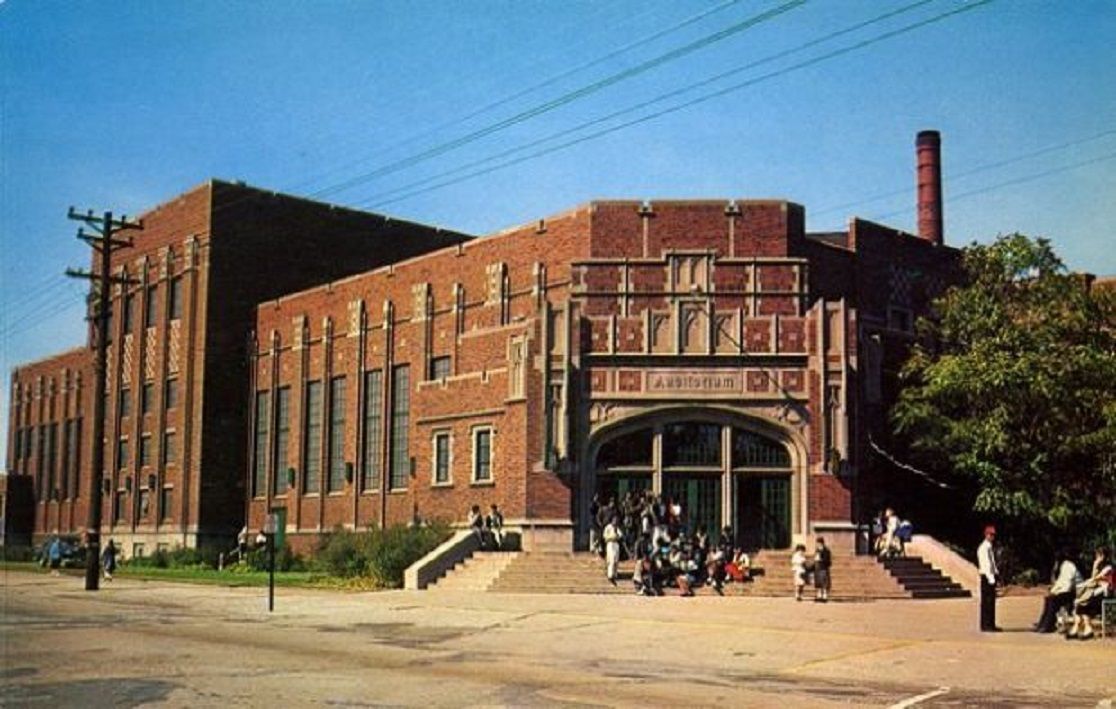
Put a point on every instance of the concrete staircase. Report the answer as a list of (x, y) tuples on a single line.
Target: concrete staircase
[(854, 577), (477, 572), (921, 580)]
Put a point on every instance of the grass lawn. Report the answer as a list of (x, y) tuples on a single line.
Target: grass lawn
[(229, 577)]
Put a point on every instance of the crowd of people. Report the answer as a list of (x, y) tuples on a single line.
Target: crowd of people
[(1073, 602), (653, 532)]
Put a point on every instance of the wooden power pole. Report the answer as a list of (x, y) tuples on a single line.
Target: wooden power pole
[(104, 243)]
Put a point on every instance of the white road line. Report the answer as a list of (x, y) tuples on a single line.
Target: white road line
[(918, 699)]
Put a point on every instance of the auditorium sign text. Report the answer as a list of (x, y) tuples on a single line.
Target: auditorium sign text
[(701, 381)]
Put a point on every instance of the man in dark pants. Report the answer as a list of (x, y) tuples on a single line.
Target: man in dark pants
[(986, 563)]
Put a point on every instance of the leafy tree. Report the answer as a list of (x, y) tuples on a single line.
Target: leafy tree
[(1012, 387)]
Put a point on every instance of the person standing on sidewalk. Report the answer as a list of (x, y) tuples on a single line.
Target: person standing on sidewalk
[(823, 560), (612, 536), (108, 560), (986, 563)]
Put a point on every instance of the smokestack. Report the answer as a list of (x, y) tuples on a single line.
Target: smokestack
[(928, 146)]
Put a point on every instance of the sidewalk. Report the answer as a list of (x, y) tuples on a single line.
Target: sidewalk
[(618, 649)]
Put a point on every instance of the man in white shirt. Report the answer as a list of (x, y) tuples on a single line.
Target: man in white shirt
[(1061, 593), (986, 563)]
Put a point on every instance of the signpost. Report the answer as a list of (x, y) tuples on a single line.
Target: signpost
[(271, 527)]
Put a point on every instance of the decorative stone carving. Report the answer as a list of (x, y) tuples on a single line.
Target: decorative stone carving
[(298, 331), (494, 281), (420, 299), (356, 312)]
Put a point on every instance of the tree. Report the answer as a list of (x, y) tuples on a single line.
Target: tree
[(1012, 386)]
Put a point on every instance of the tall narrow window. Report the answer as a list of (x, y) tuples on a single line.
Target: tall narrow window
[(373, 429), (282, 435), (439, 368), (64, 462), (74, 458), (170, 394), (400, 425), (122, 454), (336, 452), (166, 498), (125, 402), (259, 454), (149, 307), (312, 438), (170, 448), (147, 397), (52, 460), (175, 295), (442, 458), (482, 455), (129, 314), (145, 450), (40, 465)]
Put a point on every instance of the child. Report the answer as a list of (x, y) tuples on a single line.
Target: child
[(822, 562), (798, 567)]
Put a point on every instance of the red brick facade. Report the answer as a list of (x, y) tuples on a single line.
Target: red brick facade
[(552, 340), (177, 372), (344, 369)]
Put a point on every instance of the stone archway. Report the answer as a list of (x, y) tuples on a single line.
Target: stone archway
[(725, 466)]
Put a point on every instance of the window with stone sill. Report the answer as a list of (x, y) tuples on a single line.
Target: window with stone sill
[(482, 455)]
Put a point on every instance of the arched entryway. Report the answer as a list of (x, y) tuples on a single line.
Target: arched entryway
[(723, 469)]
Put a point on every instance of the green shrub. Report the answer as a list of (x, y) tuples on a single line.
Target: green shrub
[(380, 555), (17, 553), (1027, 577), (285, 559)]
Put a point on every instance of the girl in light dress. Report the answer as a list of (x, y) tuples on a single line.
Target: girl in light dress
[(798, 567)]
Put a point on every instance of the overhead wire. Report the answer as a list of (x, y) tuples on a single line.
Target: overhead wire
[(657, 99), (567, 97), (1015, 181), (549, 81), (891, 34), (972, 171)]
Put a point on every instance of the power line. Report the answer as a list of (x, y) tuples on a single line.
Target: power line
[(39, 318), (973, 171), (567, 98), (483, 71), (45, 301), (662, 97), (693, 102), (535, 87), (1015, 181)]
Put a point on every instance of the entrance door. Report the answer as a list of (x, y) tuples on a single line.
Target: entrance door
[(617, 486), (700, 497), (763, 512)]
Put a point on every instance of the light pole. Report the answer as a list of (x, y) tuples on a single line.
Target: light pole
[(270, 529)]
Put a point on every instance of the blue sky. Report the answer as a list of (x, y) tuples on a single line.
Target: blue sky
[(123, 105)]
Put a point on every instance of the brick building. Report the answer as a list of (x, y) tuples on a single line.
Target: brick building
[(341, 368), (177, 366), (711, 351)]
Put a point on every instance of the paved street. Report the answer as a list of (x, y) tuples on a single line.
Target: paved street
[(138, 643)]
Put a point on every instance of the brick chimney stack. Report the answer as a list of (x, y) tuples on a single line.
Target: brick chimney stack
[(928, 146)]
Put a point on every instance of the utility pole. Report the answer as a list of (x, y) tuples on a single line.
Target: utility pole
[(103, 243)]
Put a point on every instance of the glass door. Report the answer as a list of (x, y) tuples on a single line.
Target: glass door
[(763, 512), (700, 497)]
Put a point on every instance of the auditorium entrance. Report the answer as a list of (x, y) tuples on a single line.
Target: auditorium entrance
[(720, 472)]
